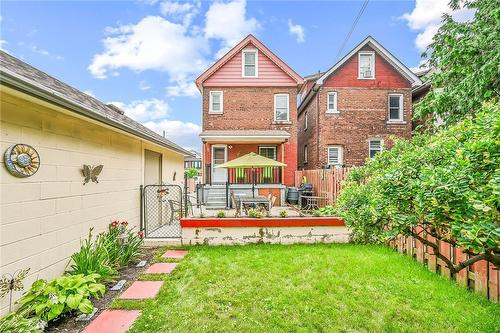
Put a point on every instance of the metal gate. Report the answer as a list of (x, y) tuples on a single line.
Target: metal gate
[(162, 209)]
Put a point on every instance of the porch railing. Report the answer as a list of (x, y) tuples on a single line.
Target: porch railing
[(263, 175)]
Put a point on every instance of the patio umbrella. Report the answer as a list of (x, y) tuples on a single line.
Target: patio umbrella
[(251, 160)]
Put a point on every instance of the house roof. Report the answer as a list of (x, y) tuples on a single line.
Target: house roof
[(382, 51), (250, 39), (28, 79)]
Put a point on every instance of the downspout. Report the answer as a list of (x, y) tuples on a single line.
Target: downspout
[(316, 90)]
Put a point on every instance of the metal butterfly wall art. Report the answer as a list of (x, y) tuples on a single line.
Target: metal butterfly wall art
[(90, 173)]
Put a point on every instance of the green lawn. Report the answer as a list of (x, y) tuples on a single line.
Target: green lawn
[(310, 288)]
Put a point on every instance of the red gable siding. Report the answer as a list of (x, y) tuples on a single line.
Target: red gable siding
[(386, 76), (230, 74)]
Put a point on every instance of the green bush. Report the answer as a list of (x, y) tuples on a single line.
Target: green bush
[(221, 214), (48, 300), (284, 213), (20, 323), (255, 213), (447, 183)]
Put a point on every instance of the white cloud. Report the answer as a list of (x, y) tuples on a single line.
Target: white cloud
[(154, 43), (2, 45), (145, 110), (229, 22), (297, 31), (89, 92), (426, 18), (183, 87), (185, 11), (185, 134), (144, 85)]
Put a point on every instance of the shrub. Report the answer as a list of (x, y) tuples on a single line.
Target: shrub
[(326, 211), (123, 245), (284, 213), (20, 323), (48, 300), (255, 213), (221, 214)]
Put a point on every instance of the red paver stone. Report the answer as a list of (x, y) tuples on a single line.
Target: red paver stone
[(175, 254), (112, 321), (142, 290), (161, 268)]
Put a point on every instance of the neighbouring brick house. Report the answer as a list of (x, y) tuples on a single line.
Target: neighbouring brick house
[(348, 113), (249, 105)]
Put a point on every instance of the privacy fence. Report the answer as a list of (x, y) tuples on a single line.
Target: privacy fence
[(481, 277), (326, 182)]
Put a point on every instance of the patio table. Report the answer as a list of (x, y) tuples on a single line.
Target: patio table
[(312, 202), (259, 200)]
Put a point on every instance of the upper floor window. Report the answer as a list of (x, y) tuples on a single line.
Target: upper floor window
[(395, 107), (249, 63), (216, 102), (334, 155), (305, 120), (331, 102), (375, 147), (366, 65), (269, 152), (281, 107)]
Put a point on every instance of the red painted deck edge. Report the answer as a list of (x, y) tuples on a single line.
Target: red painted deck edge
[(263, 222)]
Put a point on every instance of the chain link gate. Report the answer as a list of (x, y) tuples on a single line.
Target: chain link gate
[(162, 210)]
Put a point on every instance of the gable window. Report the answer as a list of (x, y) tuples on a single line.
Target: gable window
[(375, 147), (305, 120), (331, 102), (281, 107), (216, 102), (366, 65), (395, 107), (334, 155), (249, 63), (305, 154), (269, 152)]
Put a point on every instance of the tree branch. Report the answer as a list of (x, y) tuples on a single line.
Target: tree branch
[(437, 253)]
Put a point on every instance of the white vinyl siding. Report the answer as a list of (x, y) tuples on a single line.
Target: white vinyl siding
[(375, 147), (331, 101), (366, 65), (269, 152), (216, 103), (249, 63), (281, 107), (395, 105), (335, 155)]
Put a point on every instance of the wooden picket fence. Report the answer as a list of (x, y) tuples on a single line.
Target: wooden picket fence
[(481, 277), (326, 183)]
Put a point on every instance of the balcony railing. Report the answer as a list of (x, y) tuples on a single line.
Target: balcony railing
[(263, 175)]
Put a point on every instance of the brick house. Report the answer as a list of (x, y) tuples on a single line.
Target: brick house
[(249, 105), (348, 113)]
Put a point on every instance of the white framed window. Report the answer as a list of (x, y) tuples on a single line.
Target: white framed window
[(331, 102), (366, 65), (375, 147), (249, 63), (334, 155), (305, 120), (395, 105), (306, 153), (281, 107), (268, 151), (216, 102)]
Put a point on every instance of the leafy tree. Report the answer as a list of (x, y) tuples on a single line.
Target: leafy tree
[(191, 172), (445, 185), (466, 56)]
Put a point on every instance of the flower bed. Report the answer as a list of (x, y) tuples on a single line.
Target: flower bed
[(276, 230)]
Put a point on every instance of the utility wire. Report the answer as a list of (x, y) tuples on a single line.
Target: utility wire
[(356, 20)]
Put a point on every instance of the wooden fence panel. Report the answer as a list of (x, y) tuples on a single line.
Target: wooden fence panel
[(326, 183)]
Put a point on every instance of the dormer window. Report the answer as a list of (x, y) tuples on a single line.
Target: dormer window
[(249, 63), (366, 65)]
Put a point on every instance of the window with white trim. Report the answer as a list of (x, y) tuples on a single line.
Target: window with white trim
[(305, 154), (269, 152), (331, 101), (249, 63), (375, 146), (334, 155), (395, 107), (216, 102), (281, 107), (366, 65), (305, 120)]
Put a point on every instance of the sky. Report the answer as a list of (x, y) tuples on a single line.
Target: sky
[(144, 55)]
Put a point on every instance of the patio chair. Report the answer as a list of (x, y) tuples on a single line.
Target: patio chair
[(175, 210), (273, 201), (235, 204)]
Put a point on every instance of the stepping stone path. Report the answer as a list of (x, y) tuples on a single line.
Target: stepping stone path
[(112, 321), (119, 321), (161, 268), (174, 254)]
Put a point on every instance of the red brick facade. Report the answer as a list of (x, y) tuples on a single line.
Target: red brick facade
[(363, 114)]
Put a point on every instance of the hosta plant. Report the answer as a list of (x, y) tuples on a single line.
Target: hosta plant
[(49, 300)]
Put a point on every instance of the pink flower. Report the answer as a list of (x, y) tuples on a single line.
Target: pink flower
[(140, 234), (114, 224), (124, 223)]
